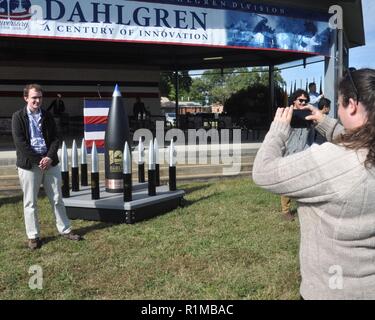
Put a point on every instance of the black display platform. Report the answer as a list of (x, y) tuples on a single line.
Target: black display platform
[(111, 207)]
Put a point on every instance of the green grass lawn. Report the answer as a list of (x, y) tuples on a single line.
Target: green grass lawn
[(227, 242)]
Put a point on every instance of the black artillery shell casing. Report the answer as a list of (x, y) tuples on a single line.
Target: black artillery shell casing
[(84, 178), (65, 184), (151, 183), (114, 185), (75, 179), (127, 187), (172, 179), (141, 173), (157, 173), (117, 132), (114, 171), (95, 192)]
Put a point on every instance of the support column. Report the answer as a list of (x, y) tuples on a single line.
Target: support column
[(176, 85), (331, 76), (334, 65), (271, 87)]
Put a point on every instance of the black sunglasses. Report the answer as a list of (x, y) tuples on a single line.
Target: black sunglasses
[(349, 75), (302, 100)]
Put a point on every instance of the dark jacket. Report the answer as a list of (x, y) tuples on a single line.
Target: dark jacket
[(139, 107), (26, 156), (57, 106)]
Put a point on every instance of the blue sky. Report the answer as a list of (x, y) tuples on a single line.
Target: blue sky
[(359, 57)]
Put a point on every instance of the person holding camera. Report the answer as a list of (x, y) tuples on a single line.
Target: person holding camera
[(301, 137), (334, 185)]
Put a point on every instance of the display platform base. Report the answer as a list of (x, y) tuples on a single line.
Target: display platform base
[(112, 208)]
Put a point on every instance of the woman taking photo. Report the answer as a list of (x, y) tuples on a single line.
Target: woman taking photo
[(334, 186)]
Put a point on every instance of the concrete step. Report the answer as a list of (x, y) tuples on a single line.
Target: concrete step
[(184, 173), (16, 189), (9, 180), (208, 177), (9, 174), (245, 160), (242, 167), (7, 170), (8, 158), (10, 193)]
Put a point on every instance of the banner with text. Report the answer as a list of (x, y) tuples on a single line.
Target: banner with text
[(231, 23)]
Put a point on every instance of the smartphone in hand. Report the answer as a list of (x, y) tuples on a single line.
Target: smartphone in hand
[(298, 119)]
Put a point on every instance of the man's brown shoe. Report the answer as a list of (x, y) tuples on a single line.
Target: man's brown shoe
[(34, 243), (289, 216), (72, 236)]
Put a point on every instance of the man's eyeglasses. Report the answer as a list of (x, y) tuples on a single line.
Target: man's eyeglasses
[(302, 100), (349, 75)]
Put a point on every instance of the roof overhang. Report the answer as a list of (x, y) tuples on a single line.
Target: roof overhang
[(165, 57)]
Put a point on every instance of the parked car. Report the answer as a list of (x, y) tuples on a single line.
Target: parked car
[(170, 119)]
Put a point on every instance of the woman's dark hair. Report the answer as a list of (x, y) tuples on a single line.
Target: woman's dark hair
[(359, 85), (298, 93)]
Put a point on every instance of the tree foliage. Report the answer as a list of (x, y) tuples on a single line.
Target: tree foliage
[(220, 85), (252, 104), (167, 84), (240, 90)]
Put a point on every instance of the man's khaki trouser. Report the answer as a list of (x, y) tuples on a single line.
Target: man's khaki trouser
[(30, 181)]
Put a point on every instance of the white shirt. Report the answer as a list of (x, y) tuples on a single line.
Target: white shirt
[(315, 98)]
